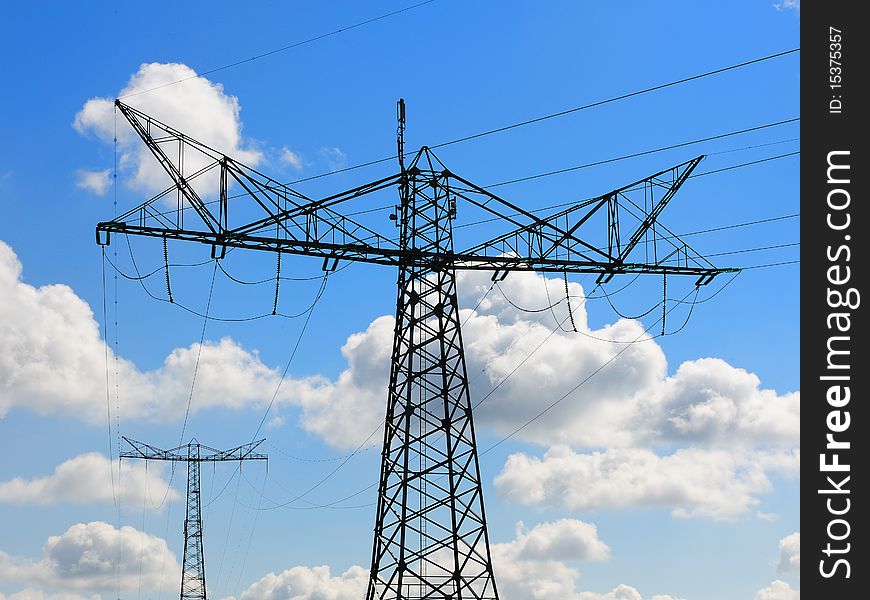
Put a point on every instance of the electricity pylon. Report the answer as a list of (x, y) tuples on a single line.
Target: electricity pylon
[(193, 564), (430, 531)]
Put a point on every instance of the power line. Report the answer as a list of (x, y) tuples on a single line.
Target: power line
[(564, 204), (115, 497), (362, 447), (198, 355), (611, 359), (776, 264), (314, 460), (330, 505), (759, 249), (310, 311), (560, 113), (568, 169), (616, 98), (553, 404), (281, 49), (754, 146), (640, 338), (643, 153), (754, 162), (140, 278), (573, 202), (744, 224)]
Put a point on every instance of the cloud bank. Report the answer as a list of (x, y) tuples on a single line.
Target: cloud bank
[(87, 478), (95, 557)]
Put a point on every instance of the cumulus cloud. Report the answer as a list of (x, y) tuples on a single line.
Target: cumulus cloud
[(97, 182), (790, 554), (198, 107), (709, 400), (739, 432), (622, 592), (633, 402), (691, 481), (309, 583), (345, 410), (55, 362), (565, 539), (535, 565), (778, 590), (88, 478), (90, 556), (293, 159), (57, 359)]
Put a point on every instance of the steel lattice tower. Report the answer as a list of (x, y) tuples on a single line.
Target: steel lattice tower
[(193, 563), (430, 535)]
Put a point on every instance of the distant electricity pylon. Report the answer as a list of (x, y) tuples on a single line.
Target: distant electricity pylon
[(430, 537), (194, 454)]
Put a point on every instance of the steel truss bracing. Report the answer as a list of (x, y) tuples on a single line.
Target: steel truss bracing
[(430, 537), (430, 533), (193, 564)]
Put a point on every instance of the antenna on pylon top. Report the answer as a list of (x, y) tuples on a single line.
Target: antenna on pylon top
[(400, 131)]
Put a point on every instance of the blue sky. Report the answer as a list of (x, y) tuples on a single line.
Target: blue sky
[(710, 506)]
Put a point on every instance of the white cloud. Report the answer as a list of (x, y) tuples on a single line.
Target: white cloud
[(788, 4), (197, 107), (97, 182), (565, 539), (309, 583), (533, 566), (622, 592), (790, 554), (57, 365), (709, 400), (335, 158), (632, 402), (778, 590), (344, 411), (55, 361), (88, 478), (96, 557), (691, 481), (293, 159), (275, 422)]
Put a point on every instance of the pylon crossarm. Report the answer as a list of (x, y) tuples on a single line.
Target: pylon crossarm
[(556, 235), (526, 222), (262, 204), (324, 204), (175, 172), (516, 257), (678, 174), (182, 453), (243, 452), (147, 451)]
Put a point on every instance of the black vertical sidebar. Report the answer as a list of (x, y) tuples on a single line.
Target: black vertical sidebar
[(834, 265)]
